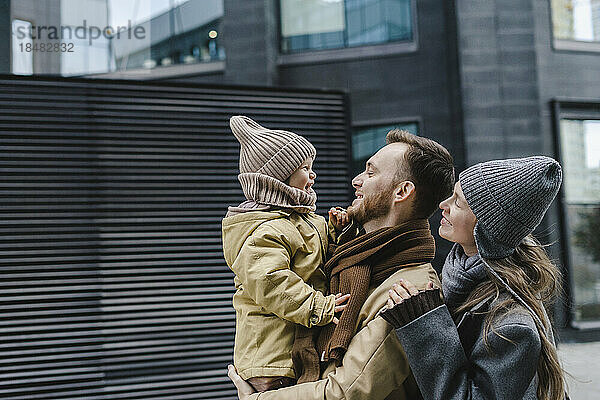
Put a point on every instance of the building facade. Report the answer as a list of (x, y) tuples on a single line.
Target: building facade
[(488, 79)]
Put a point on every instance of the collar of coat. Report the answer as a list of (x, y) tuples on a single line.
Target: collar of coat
[(266, 190), (376, 246)]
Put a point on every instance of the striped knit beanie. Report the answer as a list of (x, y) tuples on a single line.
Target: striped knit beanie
[(267, 158), (509, 198)]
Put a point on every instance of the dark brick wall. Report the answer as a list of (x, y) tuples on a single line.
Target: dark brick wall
[(5, 36), (499, 79), (250, 40), (561, 73), (413, 84)]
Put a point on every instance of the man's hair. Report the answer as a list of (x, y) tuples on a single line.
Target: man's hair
[(429, 166)]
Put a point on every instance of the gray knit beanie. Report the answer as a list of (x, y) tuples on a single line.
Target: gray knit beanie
[(267, 158), (509, 198)]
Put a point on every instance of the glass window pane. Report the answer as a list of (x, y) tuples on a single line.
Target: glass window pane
[(100, 36), (180, 32), (312, 24), (323, 24), (576, 20), (367, 141), (22, 53), (580, 147), (399, 19), (305, 17)]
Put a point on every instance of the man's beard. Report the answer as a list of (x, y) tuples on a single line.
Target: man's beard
[(372, 207)]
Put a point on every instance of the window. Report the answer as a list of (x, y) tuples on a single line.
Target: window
[(80, 37), (22, 55), (329, 24), (367, 141), (575, 21), (182, 32), (580, 154)]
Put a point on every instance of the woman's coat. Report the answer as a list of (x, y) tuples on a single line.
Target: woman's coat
[(453, 362)]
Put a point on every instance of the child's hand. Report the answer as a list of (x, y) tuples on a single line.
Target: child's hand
[(338, 217), (339, 305)]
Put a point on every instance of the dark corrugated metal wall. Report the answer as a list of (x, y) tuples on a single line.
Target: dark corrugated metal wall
[(112, 279)]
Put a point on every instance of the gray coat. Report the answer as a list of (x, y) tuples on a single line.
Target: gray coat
[(451, 362)]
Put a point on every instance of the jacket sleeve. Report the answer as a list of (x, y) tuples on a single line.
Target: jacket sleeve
[(332, 233), (373, 367), (263, 267), (443, 372)]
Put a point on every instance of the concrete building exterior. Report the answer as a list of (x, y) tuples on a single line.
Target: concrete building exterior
[(488, 79)]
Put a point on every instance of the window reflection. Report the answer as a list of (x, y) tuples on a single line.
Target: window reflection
[(367, 141), (327, 24), (576, 20), (80, 37), (188, 32), (580, 146), (22, 60)]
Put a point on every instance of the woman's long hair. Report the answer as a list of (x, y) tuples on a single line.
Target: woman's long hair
[(531, 274)]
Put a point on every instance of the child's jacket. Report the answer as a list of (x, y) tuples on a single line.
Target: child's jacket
[(277, 257)]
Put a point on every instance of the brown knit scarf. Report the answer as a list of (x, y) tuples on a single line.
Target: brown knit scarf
[(356, 266)]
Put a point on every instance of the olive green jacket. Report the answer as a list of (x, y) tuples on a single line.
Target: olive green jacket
[(375, 366), (277, 257)]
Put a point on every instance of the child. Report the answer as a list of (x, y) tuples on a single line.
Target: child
[(276, 245)]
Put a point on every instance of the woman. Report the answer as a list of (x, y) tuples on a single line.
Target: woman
[(495, 282)]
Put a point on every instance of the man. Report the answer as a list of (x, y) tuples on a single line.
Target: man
[(361, 357)]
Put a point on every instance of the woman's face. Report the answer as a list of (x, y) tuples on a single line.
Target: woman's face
[(458, 221)]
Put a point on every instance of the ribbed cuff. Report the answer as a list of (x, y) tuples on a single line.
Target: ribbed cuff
[(412, 308)]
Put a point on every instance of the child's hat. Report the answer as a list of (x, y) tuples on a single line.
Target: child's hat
[(267, 158), (270, 152)]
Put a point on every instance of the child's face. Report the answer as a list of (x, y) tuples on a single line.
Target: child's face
[(304, 177)]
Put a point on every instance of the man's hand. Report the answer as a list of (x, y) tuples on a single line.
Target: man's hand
[(338, 217), (244, 389), (339, 305)]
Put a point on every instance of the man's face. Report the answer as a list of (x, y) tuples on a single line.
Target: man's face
[(375, 186)]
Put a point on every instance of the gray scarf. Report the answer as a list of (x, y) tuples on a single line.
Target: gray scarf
[(460, 275)]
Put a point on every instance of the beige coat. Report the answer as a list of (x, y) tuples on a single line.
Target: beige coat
[(375, 366), (277, 257)]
